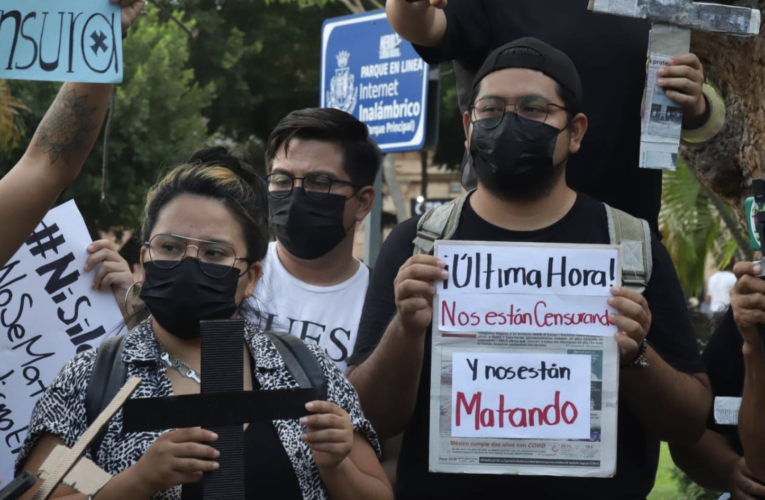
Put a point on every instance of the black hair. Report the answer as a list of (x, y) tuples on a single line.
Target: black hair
[(361, 156)]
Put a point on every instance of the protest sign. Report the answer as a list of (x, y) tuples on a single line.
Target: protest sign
[(61, 40), (503, 395), (48, 313), (525, 369)]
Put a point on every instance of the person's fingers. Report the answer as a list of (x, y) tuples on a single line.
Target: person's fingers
[(683, 73), (195, 450), (413, 305), (691, 60), (628, 348), (630, 309), (413, 288), (751, 301), (115, 271), (192, 434), (194, 465), (628, 326), (325, 407), (747, 268), (332, 448), (98, 256), (680, 85), (326, 436), (120, 280), (428, 260), (680, 98), (751, 487), (421, 272), (748, 284), (324, 421), (637, 298)]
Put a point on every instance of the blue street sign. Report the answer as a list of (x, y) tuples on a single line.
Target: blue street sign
[(367, 70), (61, 40)]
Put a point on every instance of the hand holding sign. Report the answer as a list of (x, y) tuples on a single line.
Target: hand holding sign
[(414, 287), (113, 274), (633, 321), (131, 9), (682, 82), (748, 301)]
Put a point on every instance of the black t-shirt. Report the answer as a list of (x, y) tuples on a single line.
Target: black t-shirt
[(671, 335), (725, 367), (610, 53)]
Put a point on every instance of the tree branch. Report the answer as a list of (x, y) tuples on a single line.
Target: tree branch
[(174, 19), (351, 6), (105, 163), (731, 223), (376, 4)]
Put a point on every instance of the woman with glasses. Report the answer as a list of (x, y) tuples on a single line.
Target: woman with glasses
[(205, 233)]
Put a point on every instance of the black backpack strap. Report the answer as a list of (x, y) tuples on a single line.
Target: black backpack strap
[(109, 375), (300, 362)]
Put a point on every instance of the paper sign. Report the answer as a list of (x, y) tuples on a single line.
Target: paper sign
[(528, 269), (726, 410), (61, 40), (48, 313), (580, 315), (510, 395)]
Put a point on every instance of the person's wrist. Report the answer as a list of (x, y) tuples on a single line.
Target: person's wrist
[(336, 468), (406, 330)]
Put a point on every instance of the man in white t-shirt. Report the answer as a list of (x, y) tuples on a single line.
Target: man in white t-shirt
[(718, 289), (322, 167)]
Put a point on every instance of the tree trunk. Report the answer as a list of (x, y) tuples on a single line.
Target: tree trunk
[(736, 66)]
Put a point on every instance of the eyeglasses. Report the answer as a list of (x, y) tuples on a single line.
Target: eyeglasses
[(215, 259), (532, 110), (315, 186)]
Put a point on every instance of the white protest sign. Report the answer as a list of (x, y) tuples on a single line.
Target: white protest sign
[(513, 395), (579, 315), (48, 313), (536, 269)]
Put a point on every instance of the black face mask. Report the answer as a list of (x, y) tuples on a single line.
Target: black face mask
[(181, 297), (309, 228), (514, 160)]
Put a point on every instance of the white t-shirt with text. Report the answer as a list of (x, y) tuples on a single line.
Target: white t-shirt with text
[(324, 315)]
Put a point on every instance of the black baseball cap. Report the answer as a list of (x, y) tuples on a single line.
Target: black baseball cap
[(537, 55)]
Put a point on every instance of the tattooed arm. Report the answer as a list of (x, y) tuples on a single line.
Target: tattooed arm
[(56, 154)]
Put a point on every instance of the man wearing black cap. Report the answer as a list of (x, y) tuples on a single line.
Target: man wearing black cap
[(523, 124), (610, 53)]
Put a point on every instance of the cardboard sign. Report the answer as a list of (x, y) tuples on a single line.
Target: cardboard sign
[(48, 313), (61, 40), (511, 395), (528, 269)]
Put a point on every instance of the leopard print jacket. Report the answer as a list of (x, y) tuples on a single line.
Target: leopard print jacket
[(61, 410)]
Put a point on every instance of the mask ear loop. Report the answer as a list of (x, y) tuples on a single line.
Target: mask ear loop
[(260, 312), (128, 310)]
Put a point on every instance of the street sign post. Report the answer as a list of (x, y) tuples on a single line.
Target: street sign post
[(367, 70)]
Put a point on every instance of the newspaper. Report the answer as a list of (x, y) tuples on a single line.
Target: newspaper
[(662, 120), (467, 434), (728, 19), (672, 22)]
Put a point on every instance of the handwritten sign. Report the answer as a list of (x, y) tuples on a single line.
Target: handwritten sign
[(529, 269), (61, 40), (579, 315), (48, 313), (512, 395)]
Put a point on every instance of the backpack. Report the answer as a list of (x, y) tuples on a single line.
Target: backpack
[(633, 234), (110, 373)]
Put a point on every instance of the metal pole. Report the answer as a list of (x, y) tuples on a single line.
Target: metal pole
[(373, 226)]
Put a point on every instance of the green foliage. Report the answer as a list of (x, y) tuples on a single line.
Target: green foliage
[(11, 122), (693, 229), (688, 490), (157, 119)]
